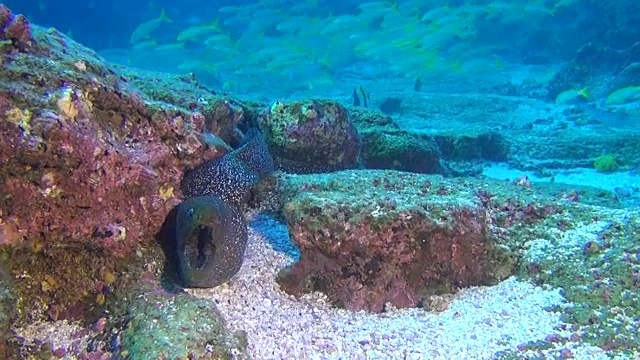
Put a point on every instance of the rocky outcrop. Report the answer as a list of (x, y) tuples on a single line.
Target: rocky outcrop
[(368, 238), (92, 157), (312, 136), (155, 327)]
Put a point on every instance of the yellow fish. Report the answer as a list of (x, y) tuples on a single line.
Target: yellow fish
[(145, 29), (199, 33)]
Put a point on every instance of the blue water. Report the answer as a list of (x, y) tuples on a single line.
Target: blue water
[(325, 47)]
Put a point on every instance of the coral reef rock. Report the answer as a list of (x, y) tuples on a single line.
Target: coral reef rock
[(178, 326), (15, 31), (91, 160), (88, 156), (317, 135), (368, 238)]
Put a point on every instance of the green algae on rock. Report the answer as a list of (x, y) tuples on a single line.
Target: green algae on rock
[(371, 237), (597, 264), (7, 306), (178, 326), (368, 238), (317, 132), (386, 145)]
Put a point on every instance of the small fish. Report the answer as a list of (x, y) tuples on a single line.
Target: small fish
[(357, 93), (365, 96), (572, 96), (584, 92), (146, 28), (199, 33), (417, 86), (145, 45)]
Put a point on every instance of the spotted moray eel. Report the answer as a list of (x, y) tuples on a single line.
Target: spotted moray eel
[(211, 231)]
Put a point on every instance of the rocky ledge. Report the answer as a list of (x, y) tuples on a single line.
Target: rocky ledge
[(369, 238)]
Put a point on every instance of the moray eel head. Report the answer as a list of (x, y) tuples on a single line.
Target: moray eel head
[(211, 239), (201, 226)]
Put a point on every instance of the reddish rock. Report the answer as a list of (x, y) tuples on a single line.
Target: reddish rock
[(91, 159), (366, 241), (15, 28), (96, 160)]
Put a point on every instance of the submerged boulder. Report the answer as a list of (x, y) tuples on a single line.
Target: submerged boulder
[(91, 160), (178, 326), (311, 136), (368, 238)]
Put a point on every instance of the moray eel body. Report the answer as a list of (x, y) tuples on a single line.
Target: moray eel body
[(211, 240), (231, 176), (211, 232)]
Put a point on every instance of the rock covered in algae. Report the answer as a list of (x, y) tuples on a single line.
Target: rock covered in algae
[(92, 156), (181, 326), (368, 238), (14, 29), (312, 134), (99, 160)]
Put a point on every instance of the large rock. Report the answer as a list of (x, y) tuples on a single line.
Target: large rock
[(312, 136), (368, 238), (95, 160), (178, 326), (371, 237), (91, 160), (386, 145)]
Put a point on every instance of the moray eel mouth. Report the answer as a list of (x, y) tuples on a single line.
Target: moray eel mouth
[(199, 247)]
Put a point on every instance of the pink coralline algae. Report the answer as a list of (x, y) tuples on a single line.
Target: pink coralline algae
[(78, 180), (15, 28), (90, 161)]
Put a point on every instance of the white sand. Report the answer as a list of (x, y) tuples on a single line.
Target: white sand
[(577, 176)]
